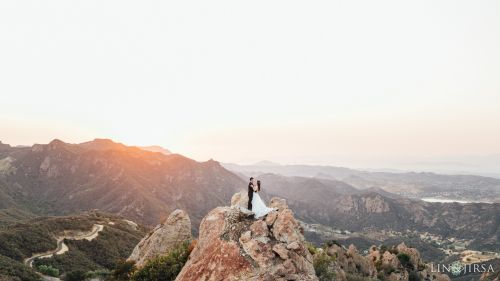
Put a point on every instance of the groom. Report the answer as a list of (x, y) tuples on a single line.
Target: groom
[(250, 193)]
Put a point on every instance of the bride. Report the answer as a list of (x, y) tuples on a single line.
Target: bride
[(258, 206)]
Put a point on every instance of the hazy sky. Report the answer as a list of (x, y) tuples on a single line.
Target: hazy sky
[(355, 83)]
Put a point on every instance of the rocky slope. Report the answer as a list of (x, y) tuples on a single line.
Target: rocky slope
[(234, 246), (399, 263), (114, 240), (166, 236), (339, 205)]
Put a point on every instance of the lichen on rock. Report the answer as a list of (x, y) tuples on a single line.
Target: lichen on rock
[(164, 238), (232, 245)]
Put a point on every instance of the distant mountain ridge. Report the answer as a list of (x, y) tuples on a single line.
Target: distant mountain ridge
[(340, 205), (409, 184), (156, 148), (60, 178)]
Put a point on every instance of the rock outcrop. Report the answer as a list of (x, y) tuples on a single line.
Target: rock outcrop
[(234, 246), (240, 200), (166, 236), (395, 264)]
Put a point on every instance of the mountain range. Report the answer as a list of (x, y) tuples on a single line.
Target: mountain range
[(337, 204), (59, 178), (469, 188)]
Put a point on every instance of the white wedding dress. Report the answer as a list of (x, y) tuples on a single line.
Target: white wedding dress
[(259, 207)]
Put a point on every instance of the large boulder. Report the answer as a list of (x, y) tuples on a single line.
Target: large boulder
[(164, 238), (350, 261), (234, 246), (413, 253), (240, 199)]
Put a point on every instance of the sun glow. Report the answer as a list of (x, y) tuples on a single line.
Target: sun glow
[(354, 83)]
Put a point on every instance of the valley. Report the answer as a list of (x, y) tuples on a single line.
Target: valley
[(415, 185), (433, 247), (62, 247), (54, 246), (59, 178), (123, 188)]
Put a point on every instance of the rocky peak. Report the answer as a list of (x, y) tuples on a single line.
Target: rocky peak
[(156, 148), (379, 263), (164, 238), (364, 203), (102, 144), (234, 246), (375, 203), (4, 145), (56, 143), (413, 253)]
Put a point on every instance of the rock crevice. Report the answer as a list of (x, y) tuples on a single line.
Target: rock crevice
[(163, 239), (234, 246)]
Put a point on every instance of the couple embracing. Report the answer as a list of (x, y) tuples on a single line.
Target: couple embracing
[(255, 203)]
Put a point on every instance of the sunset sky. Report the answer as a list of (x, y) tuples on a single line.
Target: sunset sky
[(381, 84)]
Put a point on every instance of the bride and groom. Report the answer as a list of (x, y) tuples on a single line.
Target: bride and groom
[(255, 203)]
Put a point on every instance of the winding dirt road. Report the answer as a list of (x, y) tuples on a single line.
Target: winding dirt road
[(62, 247)]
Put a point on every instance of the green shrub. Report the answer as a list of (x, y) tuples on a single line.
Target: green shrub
[(100, 273), (393, 250), (77, 275), (387, 269), (333, 242), (123, 270), (322, 267), (353, 277), (48, 270), (383, 249), (381, 276), (310, 247), (164, 268), (11, 269), (414, 276), (378, 265), (112, 244), (405, 260)]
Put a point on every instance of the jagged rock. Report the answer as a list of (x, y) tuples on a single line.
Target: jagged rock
[(398, 276), (489, 276), (271, 217), (428, 275), (351, 261), (278, 203), (286, 228), (165, 237), (364, 265), (374, 254), (234, 246), (377, 264), (240, 199), (281, 250), (259, 228), (376, 204), (390, 259), (293, 246), (261, 252), (411, 252)]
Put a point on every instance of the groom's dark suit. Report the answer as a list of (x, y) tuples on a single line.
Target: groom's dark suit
[(250, 195)]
